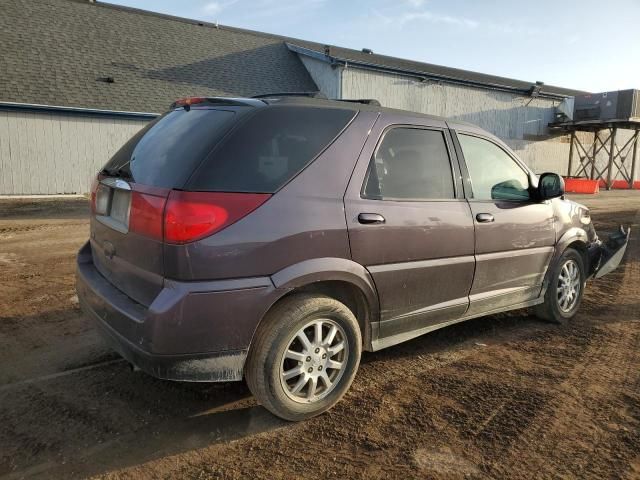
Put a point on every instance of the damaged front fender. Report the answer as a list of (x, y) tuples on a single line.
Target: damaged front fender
[(606, 256)]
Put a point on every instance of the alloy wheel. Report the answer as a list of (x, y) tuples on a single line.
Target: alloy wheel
[(568, 288), (314, 361)]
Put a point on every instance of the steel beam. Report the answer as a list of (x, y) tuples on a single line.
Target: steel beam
[(573, 139), (611, 156), (596, 137), (634, 159)]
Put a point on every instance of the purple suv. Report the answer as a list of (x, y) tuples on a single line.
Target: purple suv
[(276, 238)]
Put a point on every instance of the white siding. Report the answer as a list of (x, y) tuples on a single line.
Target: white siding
[(325, 77), (51, 153)]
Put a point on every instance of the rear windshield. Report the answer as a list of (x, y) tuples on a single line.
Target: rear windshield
[(166, 151), (269, 149)]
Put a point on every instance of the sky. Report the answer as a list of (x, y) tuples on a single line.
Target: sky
[(580, 44)]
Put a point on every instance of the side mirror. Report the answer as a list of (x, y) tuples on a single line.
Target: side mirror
[(550, 185)]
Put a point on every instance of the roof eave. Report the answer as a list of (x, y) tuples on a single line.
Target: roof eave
[(334, 60)]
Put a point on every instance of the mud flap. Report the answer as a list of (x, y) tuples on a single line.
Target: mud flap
[(611, 252)]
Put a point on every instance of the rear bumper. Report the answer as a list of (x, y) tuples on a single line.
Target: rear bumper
[(210, 367), (192, 331)]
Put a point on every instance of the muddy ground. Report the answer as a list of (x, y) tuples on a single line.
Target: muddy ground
[(498, 397)]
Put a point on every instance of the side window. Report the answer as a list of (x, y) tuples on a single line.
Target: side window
[(494, 174), (410, 164)]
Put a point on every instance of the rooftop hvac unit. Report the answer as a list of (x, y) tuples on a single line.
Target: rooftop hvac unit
[(619, 105)]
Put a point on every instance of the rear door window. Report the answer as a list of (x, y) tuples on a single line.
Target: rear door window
[(267, 150), (166, 151), (410, 164)]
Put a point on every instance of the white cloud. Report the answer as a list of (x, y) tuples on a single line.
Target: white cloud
[(416, 3), (402, 19), (286, 9), (437, 18), (214, 8)]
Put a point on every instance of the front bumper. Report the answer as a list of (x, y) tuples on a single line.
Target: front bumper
[(192, 331), (606, 256)]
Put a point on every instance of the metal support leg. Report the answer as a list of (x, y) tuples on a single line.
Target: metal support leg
[(611, 157), (634, 158), (596, 135), (573, 139)]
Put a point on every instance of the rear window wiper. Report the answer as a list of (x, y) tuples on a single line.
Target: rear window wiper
[(116, 172)]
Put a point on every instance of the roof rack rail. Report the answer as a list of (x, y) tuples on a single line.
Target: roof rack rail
[(365, 101), (292, 94)]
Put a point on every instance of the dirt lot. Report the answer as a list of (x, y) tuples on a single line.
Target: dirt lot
[(497, 397)]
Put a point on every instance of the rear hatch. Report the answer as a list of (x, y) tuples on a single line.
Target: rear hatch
[(191, 173), (130, 193)]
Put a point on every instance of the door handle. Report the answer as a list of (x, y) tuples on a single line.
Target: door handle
[(484, 218), (370, 218)]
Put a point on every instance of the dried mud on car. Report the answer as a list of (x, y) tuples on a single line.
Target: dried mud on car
[(497, 397)]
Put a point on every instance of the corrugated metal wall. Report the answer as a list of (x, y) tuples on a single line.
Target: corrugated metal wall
[(53, 153), (516, 119)]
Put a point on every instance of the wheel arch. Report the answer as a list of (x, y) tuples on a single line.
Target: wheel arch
[(342, 279), (575, 238)]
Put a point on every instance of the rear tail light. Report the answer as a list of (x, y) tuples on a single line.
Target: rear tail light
[(94, 192), (188, 101), (145, 214), (180, 217), (190, 216)]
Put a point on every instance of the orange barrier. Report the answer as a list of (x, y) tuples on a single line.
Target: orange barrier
[(581, 185), (620, 184), (623, 184)]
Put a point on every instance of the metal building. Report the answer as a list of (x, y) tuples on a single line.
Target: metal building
[(79, 77)]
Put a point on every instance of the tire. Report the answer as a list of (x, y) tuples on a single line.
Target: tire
[(276, 343), (558, 308)]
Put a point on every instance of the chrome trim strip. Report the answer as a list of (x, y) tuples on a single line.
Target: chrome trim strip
[(438, 307), (437, 262), (116, 183), (514, 253)]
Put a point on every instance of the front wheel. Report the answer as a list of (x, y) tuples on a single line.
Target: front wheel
[(304, 356), (566, 287)]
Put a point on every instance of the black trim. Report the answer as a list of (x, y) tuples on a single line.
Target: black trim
[(464, 171), (532, 191)]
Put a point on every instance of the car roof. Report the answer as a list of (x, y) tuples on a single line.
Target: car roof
[(365, 105)]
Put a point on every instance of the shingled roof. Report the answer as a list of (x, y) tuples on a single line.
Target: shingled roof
[(66, 52), (61, 52)]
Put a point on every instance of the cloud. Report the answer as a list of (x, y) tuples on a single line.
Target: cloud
[(402, 19), (285, 11), (394, 19), (416, 3), (573, 39), (214, 8), (437, 18)]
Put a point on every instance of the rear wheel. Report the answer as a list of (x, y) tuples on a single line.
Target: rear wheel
[(566, 287), (304, 356)]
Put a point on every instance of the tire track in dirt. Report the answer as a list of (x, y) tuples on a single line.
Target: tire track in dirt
[(498, 397), (611, 358)]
